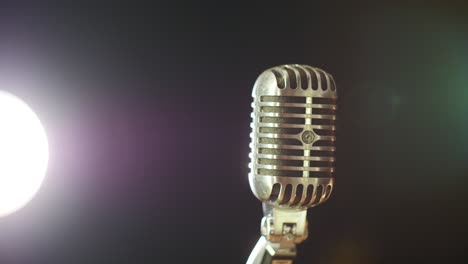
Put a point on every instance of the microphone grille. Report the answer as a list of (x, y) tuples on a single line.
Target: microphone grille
[(293, 136)]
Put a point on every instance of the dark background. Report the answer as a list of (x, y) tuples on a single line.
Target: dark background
[(147, 113)]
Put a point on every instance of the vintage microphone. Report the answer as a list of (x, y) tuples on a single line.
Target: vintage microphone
[(292, 154)]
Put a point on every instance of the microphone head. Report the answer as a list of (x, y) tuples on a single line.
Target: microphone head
[(293, 136)]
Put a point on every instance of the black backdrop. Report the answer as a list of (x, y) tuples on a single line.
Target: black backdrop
[(147, 112)]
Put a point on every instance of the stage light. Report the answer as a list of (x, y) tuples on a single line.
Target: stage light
[(24, 153)]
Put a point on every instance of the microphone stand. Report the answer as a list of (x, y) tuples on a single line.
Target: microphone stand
[(282, 229), (264, 253)]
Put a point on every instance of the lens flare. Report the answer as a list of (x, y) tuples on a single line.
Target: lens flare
[(24, 154)]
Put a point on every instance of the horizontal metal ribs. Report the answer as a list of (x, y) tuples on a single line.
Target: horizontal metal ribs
[(278, 122), (299, 195), (324, 128), (303, 77)]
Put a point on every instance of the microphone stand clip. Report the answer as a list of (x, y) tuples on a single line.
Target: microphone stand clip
[(282, 229)]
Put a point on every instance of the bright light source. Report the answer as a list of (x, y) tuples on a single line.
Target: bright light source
[(24, 153)]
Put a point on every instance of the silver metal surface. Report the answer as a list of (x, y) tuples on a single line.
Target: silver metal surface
[(292, 149), (293, 136), (265, 247), (257, 254)]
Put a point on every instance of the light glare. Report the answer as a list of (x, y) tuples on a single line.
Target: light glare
[(24, 153)]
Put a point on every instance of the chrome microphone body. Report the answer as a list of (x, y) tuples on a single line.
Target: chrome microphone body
[(292, 154)]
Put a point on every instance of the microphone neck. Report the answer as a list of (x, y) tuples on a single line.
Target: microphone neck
[(286, 226), (282, 229)]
